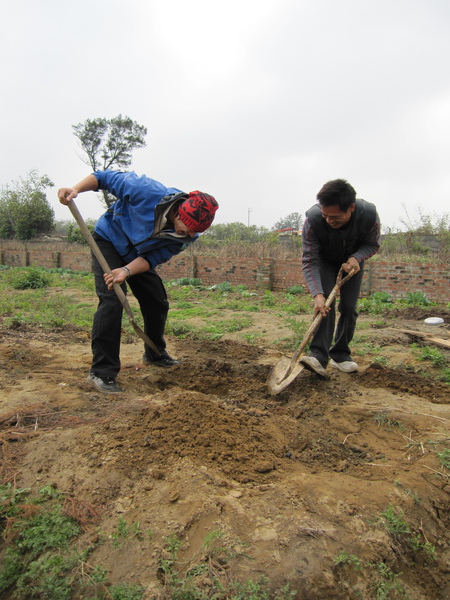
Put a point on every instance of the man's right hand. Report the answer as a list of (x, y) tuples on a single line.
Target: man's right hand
[(65, 195), (319, 305), (88, 184)]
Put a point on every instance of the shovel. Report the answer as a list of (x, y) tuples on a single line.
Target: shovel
[(286, 371), (104, 265)]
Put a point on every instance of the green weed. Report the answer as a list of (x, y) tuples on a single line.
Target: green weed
[(445, 375), (417, 299), (216, 330), (343, 558), (31, 278), (296, 289), (376, 304), (179, 330), (381, 360), (415, 497), (416, 545), (223, 288), (395, 523), (41, 561), (125, 592), (40, 532), (384, 582), (383, 420), (367, 348), (295, 305), (298, 329), (123, 532), (211, 564), (239, 303), (444, 458), (269, 298), (187, 281), (251, 338), (432, 354)]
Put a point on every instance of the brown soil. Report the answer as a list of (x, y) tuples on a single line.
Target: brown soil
[(295, 479)]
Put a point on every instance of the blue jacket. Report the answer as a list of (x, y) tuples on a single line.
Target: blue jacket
[(130, 224)]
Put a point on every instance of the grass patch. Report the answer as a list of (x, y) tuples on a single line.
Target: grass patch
[(196, 312), (376, 579), (186, 581), (435, 356), (42, 559)]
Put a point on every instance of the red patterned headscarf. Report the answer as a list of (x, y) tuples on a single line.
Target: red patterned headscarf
[(198, 211)]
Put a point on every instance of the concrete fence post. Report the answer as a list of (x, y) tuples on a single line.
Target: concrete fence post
[(264, 274), (56, 257)]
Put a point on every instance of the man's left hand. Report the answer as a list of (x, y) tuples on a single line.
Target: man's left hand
[(350, 264)]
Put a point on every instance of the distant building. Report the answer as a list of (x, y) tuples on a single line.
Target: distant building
[(288, 236)]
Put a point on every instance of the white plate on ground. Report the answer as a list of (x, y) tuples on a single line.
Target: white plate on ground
[(434, 321)]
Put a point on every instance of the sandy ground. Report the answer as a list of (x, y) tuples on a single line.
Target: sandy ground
[(290, 481)]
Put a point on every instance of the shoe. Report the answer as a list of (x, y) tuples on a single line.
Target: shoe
[(106, 385), (347, 366), (312, 364), (161, 361)]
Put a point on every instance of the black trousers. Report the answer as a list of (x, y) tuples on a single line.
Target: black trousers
[(151, 295), (322, 346)]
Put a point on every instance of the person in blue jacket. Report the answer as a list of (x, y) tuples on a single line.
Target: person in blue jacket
[(146, 225), (340, 230)]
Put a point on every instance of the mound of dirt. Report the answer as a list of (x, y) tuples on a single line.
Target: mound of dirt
[(296, 479)]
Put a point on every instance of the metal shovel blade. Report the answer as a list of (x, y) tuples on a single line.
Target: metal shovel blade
[(280, 377)]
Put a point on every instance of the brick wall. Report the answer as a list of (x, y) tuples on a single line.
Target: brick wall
[(432, 279), (48, 254)]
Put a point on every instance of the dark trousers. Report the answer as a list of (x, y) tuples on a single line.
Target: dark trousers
[(151, 295), (322, 346)]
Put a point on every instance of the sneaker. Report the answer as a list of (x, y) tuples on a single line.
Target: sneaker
[(106, 385), (312, 364), (161, 361), (347, 366)]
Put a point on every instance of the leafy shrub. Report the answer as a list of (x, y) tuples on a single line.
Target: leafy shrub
[(74, 235), (432, 354), (381, 297), (32, 278), (376, 304), (417, 299), (222, 287), (192, 281), (296, 289)]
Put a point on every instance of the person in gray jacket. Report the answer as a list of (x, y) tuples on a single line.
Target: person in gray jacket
[(146, 225), (340, 230)]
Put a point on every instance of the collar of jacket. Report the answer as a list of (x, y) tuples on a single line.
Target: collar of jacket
[(162, 208)]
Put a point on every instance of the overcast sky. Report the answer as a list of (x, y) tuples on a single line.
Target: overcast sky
[(257, 102)]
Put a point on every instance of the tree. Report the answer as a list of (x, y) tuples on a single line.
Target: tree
[(109, 144), (24, 209), (294, 220), (425, 223), (236, 232)]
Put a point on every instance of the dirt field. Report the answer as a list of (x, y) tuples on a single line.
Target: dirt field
[(290, 481)]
